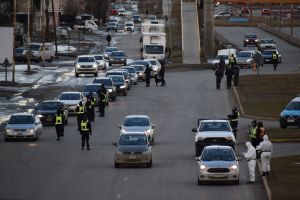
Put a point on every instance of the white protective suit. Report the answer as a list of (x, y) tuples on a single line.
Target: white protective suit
[(266, 148), (250, 156)]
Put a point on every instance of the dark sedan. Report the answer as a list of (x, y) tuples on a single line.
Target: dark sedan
[(120, 84), (47, 109), (250, 39), (267, 54), (117, 57)]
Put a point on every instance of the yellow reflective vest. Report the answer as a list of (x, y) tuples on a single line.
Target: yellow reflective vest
[(84, 126), (58, 119)]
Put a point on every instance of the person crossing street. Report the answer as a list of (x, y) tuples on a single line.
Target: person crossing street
[(80, 110), (229, 74), (85, 131), (233, 117), (266, 149), (250, 156), (219, 75), (108, 39), (59, 124), (275, 60)]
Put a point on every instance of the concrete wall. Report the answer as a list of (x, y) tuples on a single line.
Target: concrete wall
[(281, 35), (6, 44)]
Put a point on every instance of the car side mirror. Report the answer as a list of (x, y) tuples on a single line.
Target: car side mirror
[(195, 130), (197, 158)]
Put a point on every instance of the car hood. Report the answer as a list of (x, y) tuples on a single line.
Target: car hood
[(290, 112), (119, 83), (218, 164), (136, 128), (85, 63), (71, 102), (267, 45), (215, 134), (133, 148), (87, 93), (19, 126), (118, 57), (242, 59), (46, 112)]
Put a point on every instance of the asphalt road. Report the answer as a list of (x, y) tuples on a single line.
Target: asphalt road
[(290, 53)]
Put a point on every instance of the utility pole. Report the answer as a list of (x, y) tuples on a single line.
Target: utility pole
[(54, 28), (47, 19), (28, 53), (14, 43), (208, 42)]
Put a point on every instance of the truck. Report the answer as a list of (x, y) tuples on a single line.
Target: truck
[(87, 25), (154, 46), (152, 28)]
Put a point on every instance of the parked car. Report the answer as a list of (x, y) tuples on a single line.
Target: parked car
[(290, 116), (140, 123), (213, 132), (218, 163), (20, 54), (264, 44), (86, 64), (244, 59), (250, 39), (109, 85), (133, 77), (23, 126), (140, 71), (267, 54), (136, 19), (100, 61), (72, 99), (47, 110), (117, 57), (108, 50), (265, 11), (41, 52), (133, 148), (222, 15), (120, 84)]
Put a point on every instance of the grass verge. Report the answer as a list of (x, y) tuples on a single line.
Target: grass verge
[(267, 95), (284, 179), (284, 135)]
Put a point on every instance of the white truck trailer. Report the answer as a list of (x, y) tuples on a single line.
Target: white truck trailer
[(154, 46)]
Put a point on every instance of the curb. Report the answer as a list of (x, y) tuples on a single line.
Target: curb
[(265, 181)]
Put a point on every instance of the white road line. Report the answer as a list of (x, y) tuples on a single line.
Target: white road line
[(118, 196)]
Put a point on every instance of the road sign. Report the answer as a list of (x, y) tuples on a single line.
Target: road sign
[(6, 63)]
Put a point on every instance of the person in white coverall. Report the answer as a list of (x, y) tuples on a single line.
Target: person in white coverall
[(266, 149), (250, 156)]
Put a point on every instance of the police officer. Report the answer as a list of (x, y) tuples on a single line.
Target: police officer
[(234, 118), (80, 110), (162, 74), (232, 61), (93, 104), (85, 131), (229, 74), (219, 75), (108, 39), (275, 60), (252, 132), (148, 75), (102, 103), (89, 107), (59, 124), (236, 74), (266, 149)]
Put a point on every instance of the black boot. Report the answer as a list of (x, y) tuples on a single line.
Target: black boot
[(264, 174)]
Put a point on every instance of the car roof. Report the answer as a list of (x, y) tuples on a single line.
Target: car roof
[(125, 67), (100, 78), (48, 101), (296, 99), (70, 92), (22, 114), (247, 51), (132, 133), (118, 52), (98, 84), (116, 76), (137, 116), (217, 147), (97, 55), (85, 56)]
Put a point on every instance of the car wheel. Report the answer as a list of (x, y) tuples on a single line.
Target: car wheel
[(237, 182), (95, 74), (109, 63), (66, 121), (37, 137), (89, 30), (149, 165), (152, 140), (116, 30), (40, 60), (283, 124), (6, 139), (117, 165), (125, 63), (51, 59), (200, 182), (114, 98), (76, 74), (198, 150), (125, 94)]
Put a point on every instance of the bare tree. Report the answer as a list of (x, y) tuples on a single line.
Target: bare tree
[(71, 7)]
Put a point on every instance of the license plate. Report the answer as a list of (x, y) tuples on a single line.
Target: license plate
[(267, 60), (291, 120), (49, 119), (132, 157)]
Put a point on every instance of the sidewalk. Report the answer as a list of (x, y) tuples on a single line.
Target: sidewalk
[(190, 34)]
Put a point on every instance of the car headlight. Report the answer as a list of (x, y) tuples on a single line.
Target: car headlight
[(118, 152), (248, 60), (77, 66), (123, 86), (141, 73), (199, 138), (202, 167), (149, 131), (30, 131), (228, 138), (247, 40), (39, 116), (95, 65), (109, 90), (122, 58), (256, 40), (9, 131), (282, 114), (234, 167)]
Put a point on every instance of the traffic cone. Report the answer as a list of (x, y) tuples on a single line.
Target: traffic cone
[(254, 66)]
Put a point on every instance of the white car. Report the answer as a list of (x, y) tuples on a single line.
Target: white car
[(222, 15), (264, 44), (121, 12), (133, 76), (41, 52), (213, 132), (86, 64), (72, 99), (100, 61), (138, 123), (129, 26), (155, 66)]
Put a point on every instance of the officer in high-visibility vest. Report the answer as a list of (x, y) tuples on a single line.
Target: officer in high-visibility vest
[(59, 124), (232, 61), (80, 110), (85, 131), (233, 117), (275, 60), (252, 132)]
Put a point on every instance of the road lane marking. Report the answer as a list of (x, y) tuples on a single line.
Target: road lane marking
[(118, 196)]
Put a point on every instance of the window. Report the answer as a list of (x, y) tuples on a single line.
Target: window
[(136, 121), (21, 119), (294, 105), (133, 139), (218, 154), (86, 59), (214, 126), (154, 49)]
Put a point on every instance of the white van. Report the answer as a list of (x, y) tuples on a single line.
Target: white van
[(41, 52), (225, 53)]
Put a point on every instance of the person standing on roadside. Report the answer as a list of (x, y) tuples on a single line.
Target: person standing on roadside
[(59, 124), (162, 74), (148, 75), (266, 149), (250, 156), (252, 132), (219, 75), (236, 75), (85, 131), (108, 39), (102, 103), (275, 60), (229, 74), (80, 110)]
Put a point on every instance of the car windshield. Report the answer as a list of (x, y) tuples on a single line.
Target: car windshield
[(251, 36), (111, 49), (86, 59), (49, 106), (153, 49), (214, 126), (98, 57), (105, 82), (218, 155), (225, 57), (35, 47), (117, 78), (129, 24), (135, 16), (91, 88), (267, 41), (112, 24), (294, 105), (136, 121), (133, 139), (153, 62), (21, 119), (19, 50), (69, 96), (117, 53), (139, 68), (243, 54), (144, 63), (269, 53), (130, 70)]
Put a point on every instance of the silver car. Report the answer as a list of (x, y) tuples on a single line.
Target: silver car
[(133, 148), (244, 58), (23, 126), (133, 77), (100, 61), (72, 99), (138, 123), (218, 163)]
